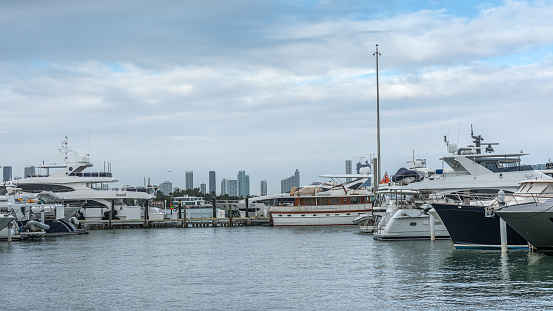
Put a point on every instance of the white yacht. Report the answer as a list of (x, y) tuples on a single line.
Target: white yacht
[(471, 171), (87, 190)]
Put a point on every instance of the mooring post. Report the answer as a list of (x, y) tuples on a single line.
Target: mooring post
[(247, 207), (146, 214), (185, 222), (110, 217)]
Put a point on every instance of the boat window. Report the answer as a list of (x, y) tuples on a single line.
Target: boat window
[(354, 200), (334, 201), (302, 215), (345, 201), (413, 224), (307, 201), (322, 201), (38, 188), (289, 215), (327, 214)]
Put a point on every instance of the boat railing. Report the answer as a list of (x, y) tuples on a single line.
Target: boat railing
[(521, 198), (476, 199)]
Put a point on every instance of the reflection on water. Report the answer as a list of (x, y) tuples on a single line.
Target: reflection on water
[(252, 268)]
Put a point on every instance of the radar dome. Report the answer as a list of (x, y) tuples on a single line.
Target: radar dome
[(83, 158), (365, 171), (452, 148)]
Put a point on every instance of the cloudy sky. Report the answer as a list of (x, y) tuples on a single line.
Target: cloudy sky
[(157, 88)]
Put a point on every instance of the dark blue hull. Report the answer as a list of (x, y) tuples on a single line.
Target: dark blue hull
[(60, 226), (469, 227)]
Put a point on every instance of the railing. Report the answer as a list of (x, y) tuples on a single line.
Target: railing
[(91, 174)]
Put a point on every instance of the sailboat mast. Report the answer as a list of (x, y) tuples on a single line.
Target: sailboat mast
[(377, 117)]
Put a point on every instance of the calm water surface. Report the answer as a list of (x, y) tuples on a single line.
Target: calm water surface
[(254, 268)]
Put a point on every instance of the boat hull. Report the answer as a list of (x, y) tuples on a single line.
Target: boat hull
[(469, 227), (316, 218), (532, 221), (409, 224)]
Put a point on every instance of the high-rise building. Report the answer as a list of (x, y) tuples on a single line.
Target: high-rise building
[(243, 184), (232, 187), (189, 179), (229, 186), (224, 188), (203, 188), (7, 173), (166, 187), (212, 182), (292, 181), (348, 170), (29, 170), (263, 188)]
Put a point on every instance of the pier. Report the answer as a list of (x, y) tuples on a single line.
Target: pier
[(174, 223)]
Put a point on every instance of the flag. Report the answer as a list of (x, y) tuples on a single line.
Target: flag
[(385, 179)]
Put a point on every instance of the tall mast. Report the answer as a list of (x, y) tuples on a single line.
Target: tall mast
[(377, 117)]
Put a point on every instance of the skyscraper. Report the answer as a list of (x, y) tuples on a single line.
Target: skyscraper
[(203, 187), (229, 187), (212, 182), (348, 170), (7, 170), (29, 170), (243, 184), (292, 181), (263, 188), (166, 187), (189, 178)]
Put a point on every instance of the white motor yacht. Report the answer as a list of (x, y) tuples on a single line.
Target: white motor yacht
[(87, 190)]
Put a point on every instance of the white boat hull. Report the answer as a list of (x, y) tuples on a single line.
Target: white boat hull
[(310, 216), (409, 224)]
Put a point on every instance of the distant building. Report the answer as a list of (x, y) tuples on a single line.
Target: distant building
[(203, 188), (348, 170), (29, 170), (166, 187), (292, 181), (7, 173), (189, 180), (229, 187), (212, 182), (243, 184), (263, 188)]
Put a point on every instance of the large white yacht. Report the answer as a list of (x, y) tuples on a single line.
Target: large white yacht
[(87, 190), (470, 171)]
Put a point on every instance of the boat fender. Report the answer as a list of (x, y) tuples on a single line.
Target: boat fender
[(74, 221)]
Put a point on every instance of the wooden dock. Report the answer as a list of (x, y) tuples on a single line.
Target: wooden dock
[(174, 223)]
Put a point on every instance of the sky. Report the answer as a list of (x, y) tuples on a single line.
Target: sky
[(157, 88)]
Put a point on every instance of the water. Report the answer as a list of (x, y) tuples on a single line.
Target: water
[(254, 268)]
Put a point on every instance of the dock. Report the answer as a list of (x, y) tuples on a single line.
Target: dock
[(174, 223)]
